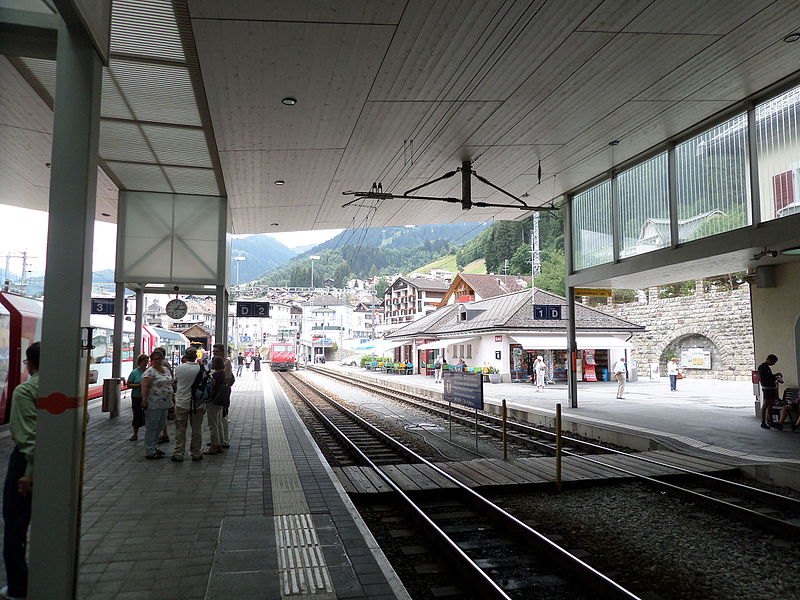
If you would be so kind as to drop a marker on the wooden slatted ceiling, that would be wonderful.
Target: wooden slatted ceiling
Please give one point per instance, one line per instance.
(508, 81)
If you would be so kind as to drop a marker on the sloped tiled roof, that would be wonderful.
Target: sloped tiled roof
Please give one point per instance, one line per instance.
(324, 300)
(489, 286)
(510, 312)
(429, 285)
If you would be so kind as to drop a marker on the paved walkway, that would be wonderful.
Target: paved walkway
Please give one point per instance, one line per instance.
(713, 415)
(237, 526)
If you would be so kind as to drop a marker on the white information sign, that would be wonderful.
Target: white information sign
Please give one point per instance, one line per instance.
(696, 358)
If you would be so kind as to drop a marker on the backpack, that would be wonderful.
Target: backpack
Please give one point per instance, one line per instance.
(202, 388)
(223, 396)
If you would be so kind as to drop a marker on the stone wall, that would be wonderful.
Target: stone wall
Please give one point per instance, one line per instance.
(717, 321)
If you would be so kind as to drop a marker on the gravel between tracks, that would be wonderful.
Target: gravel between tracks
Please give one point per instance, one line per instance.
(650, 542)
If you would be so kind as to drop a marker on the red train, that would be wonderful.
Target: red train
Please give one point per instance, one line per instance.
(282, 356)
(21, 325)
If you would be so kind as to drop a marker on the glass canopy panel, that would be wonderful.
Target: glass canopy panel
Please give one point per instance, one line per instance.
(643, 198)
(591, 227)
(778, 146)
(713, 181)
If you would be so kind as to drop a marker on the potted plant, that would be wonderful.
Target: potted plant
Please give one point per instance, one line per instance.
(493, 374)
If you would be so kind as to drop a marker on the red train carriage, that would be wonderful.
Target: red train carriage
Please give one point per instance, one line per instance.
(282, 356)
(21, 325)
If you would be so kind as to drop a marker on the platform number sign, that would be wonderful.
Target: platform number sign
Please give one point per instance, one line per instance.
(102, 306)
(547, 312)
(252, 309)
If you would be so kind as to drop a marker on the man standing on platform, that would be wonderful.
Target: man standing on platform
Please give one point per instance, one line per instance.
(769, 388)
(219, 350)
(19, 479)
(619, 374)
(187, 415)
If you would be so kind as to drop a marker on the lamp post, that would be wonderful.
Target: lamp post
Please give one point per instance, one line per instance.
(238, 259)
(313, 258)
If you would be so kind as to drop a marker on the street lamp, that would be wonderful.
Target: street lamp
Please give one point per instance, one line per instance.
(313, 258)
(237, 341)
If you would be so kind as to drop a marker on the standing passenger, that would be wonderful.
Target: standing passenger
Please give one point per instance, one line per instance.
(19, 479)
(256, 365)
(156, 401)
(619, 374)
(219, 350)
(673, 371)
(214, 409)
(437, 369)
(769, 387)
(239, 364)
(185, 414)
(135, 383)
(539, 370)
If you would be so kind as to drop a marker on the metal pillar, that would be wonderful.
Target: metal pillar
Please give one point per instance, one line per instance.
(55, 525)
(221, 324)
(466, 184)
(139, 320)
(572, 344)
(119, 317)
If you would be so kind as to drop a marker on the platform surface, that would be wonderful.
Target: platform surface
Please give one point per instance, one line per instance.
(265, 520)
(714, 416)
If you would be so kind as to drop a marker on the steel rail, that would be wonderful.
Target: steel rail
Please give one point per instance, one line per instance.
(766, 522)
(588, 575)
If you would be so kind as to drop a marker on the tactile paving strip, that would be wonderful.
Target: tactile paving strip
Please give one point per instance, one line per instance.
(302, 566)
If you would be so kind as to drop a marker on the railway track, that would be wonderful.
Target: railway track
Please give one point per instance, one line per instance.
(497, 555)
(775, 513)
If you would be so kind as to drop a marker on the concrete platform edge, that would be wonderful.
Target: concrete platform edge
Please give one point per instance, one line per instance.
(386, 568)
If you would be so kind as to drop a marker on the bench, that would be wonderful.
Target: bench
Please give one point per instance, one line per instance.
(790, 396)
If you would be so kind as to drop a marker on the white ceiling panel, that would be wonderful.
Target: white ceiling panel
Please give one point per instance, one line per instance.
(145, 28)
(762, 31)
(306, 175)
(319, 11)
(32, 114)
(186, 180)
(715, 17)
(157, 92)
(123, 140)
(178, 145)
(146, 178)
(328, 68)
(624, 67)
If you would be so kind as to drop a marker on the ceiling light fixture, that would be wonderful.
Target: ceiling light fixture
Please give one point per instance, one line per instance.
(279, 182)
(792, 251)
(274, 224)
(792, 37)
(289, 101)
(105, 214)
(613, 143)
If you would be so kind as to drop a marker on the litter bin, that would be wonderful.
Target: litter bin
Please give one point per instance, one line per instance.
(604, 374)
(111, 396)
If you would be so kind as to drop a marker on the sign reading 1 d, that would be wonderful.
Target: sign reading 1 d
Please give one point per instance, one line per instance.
(547, 312)
(252, 309)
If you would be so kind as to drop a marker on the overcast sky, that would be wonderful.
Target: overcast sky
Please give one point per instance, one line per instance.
(26, 230)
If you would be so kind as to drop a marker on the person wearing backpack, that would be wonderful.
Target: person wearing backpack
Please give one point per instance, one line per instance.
(221, 399)
(188, 413)
(219, 350)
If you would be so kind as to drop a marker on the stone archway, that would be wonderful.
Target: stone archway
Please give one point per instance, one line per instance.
(685, 337)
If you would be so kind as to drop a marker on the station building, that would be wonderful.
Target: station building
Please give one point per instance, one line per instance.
(187, 121)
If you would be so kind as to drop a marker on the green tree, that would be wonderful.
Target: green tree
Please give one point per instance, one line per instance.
(552, 278)
(380, 287)
(340, 274)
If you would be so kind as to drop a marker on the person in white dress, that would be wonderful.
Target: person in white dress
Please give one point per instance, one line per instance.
(539, 370)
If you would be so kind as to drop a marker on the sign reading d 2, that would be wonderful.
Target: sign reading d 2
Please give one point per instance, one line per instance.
(252, 309)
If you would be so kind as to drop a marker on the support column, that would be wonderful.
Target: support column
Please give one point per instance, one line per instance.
(139, 320)
(55, 525)
(572, 350)
(119, 317)
(221, 324)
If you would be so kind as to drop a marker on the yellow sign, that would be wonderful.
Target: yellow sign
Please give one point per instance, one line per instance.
(592, 292)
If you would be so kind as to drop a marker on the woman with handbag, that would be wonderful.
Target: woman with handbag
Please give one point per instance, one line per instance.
(156, 400)
(215, 408)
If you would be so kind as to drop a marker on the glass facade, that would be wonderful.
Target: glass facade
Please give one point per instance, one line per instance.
(712, 187)
(778, 146)
(643, 197)
(713, 181)
(591, 226)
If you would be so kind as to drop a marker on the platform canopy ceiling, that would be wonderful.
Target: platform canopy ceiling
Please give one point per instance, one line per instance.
(401, 91)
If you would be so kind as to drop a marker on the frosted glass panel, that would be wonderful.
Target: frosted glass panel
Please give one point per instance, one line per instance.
(778, 141)
(171, 238)
(591, 226)
(644, 207)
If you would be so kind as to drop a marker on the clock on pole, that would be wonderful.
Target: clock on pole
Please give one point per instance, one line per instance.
(176, 308)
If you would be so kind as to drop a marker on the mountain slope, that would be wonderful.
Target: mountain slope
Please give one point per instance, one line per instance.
(262, 253)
